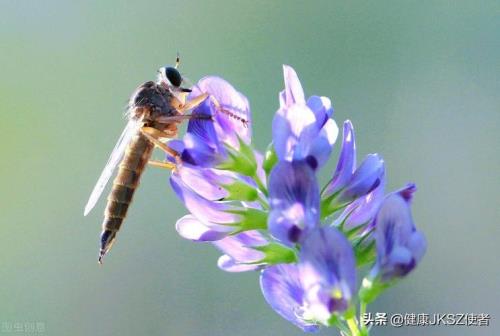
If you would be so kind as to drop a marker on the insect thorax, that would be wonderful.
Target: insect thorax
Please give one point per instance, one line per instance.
(151, 101)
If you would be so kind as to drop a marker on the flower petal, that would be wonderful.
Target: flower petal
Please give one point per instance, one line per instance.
(321, 147)
(233, 117)
(327, 266)
(322, 108)
(363, 210)
(201, 152)
(294, 201)
(291, 126)
(239, 251)
(240, 246)
(293, 94)
(189, 227)
(207, 182)
(203, 209)
(399, 245)
(283, 290)
(228, 264)
(366, 178)
(347, 161)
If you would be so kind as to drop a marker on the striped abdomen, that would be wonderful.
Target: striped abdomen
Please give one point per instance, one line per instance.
(130, 170)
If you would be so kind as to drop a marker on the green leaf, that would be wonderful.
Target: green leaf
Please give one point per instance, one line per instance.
(240, 191)
(240, 161)
(371, 288)
(329, 206)
(270, 159)
(365, 253)
(251, 219)
(276, 254)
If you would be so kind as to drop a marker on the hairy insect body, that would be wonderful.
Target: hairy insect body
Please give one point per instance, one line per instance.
(154, 111)
(148, 103)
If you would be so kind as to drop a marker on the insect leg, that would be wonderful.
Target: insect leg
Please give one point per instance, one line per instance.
(227, 112)
(153, 135)
(191, 104)
(181, 117)
(162, 164)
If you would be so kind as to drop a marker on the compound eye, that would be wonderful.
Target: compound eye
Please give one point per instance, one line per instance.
(173, 76)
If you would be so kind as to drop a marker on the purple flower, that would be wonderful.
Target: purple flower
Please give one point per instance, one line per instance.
(327, 266)
(239, 253)
(294, 201)
(363, 210)
(189, 227)
(204, 142)
(284, 291)
(321, 284)
(348, 183)
(203, 191)
(347, 161)
(400, 246)
(303, 130)
(208, 211)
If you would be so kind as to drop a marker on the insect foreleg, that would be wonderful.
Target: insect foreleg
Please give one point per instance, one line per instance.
(191, 104)
(153, 135)
(219, 108)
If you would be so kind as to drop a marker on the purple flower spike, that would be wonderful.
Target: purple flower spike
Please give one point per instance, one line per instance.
(189, 227)
(400, 246)
(294, 201)
(231, 119)
(303, 130)
(328, 272)
(239, 255)
(283, 290)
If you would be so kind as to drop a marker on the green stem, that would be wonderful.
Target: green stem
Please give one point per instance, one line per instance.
(260, 184)
(362, 312)
(353, 326)
(263, 202)
(342, 327)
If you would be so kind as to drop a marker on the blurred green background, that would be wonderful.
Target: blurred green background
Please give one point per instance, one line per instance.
(419, 80)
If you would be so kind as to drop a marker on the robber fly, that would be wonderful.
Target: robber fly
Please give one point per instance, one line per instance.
(154, 111)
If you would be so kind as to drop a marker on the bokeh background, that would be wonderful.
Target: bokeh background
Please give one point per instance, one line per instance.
(419, 80)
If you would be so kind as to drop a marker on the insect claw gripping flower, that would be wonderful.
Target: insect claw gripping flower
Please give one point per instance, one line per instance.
(269, 214)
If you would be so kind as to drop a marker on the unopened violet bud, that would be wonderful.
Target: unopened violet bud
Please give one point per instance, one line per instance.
(239, 251)
(400, 246)
(190, 227)
(207, 210)
(346, 163)
(367, 177)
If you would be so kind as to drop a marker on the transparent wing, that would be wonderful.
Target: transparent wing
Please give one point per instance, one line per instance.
(132, 127)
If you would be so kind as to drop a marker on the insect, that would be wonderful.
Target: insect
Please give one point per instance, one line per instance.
(154, 111)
